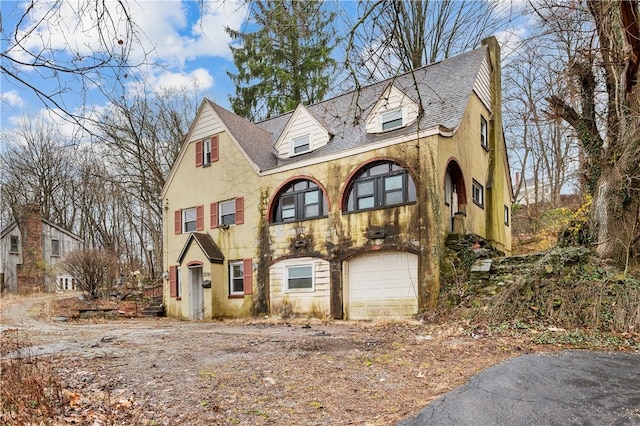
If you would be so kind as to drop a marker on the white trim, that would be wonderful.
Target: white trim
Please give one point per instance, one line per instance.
(229, 284)
(300, 290)
(359, 150)
(184, 219)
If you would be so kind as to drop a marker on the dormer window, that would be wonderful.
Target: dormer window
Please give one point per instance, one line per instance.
(391, 119)
(301, 145)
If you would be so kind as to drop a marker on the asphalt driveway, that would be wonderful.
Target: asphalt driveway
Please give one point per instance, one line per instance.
(568, 388)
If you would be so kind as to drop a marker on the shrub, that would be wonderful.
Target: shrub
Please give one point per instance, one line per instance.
(93, 270)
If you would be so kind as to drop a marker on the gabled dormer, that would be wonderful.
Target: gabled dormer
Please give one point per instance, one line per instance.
(302, 134)
(394, 110)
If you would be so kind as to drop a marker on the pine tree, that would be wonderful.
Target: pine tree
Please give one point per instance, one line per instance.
(286, 61)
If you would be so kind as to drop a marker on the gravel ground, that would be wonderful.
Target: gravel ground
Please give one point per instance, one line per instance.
(247, 372)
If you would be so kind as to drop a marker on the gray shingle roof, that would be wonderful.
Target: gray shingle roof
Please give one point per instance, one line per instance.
(443, 89)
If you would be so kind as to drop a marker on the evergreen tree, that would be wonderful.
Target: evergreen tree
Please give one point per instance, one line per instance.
(285, 61)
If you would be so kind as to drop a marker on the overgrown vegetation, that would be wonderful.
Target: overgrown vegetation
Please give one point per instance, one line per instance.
(562, 295)
(30, 391)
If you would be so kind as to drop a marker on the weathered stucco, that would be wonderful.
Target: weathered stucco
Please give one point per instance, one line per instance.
(330, 242)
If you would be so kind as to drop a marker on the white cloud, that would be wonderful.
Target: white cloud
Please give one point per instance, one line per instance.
(175, 37)
(198, 78)
(12, 98)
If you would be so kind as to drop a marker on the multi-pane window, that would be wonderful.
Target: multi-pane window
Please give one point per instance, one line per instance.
(391, 119)
(236, 277)
(381, 185)
(301, 144)
(227, 212)
(13, 248)
(189, 220)
(300, 277)
(477, 193)
(55, 247)
(178, 283)
(301, 200)
(206, 152)
(483, 133)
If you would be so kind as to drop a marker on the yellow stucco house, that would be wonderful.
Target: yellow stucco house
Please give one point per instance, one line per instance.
(338, 209)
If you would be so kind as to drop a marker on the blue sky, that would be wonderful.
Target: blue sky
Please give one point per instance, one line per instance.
(186, 38)
(189, 42)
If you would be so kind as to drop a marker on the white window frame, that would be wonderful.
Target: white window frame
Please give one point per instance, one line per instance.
(287, 269)
(206, 152)
(484, 125)
(477, 193)
(239, 263)
(189, 212)
(506, 215)
(301, 141)
(390, 116)
(227, 203)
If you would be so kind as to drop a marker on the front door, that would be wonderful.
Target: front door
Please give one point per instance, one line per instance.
(197, 293)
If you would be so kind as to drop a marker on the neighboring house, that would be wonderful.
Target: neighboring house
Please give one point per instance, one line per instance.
(30, 254)
(338, 209)
(533, 192)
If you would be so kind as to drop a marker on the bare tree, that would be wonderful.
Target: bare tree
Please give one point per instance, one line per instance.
(93, 271)
(609, 133)
(38, 168)
(390, 37)
(143, 136)
(73, 46)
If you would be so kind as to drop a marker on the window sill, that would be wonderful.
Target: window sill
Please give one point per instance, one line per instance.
(300, 290)
(236, 296)
(478, 204)
(485, 147)
(297, 222)
(380, 208)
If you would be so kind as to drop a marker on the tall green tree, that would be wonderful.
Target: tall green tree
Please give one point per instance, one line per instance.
(285, 61)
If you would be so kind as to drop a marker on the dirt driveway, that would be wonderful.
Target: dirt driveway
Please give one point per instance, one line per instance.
(251, 372)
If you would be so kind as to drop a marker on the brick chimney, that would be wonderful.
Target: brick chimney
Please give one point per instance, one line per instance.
(31, 272)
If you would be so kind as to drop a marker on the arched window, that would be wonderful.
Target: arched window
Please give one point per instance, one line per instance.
(380, 185)
(300, 200)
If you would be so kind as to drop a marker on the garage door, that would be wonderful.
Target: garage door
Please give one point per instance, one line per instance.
(382, 285)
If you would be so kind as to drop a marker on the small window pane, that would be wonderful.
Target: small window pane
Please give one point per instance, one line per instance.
(365, 203)
(393, 182)
(311, 197)
(394, 197)
(311, 211)
(365, 188)
(228, 212)
(379, 169)
(288, 207)
(299, 186)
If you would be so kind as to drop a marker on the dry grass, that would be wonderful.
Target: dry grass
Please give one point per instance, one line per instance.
(30, 391)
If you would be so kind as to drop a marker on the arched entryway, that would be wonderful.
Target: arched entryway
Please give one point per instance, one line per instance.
(455, 198)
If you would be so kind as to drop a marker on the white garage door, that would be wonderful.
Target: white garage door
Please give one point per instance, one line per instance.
(382, 285)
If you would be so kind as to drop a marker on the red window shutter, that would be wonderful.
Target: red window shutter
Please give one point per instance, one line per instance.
(198, 153)
(247, 279)
(173, 281)
(199, 218)
(177, 220)
(215, 149)
(214, 215)
(239, 211)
